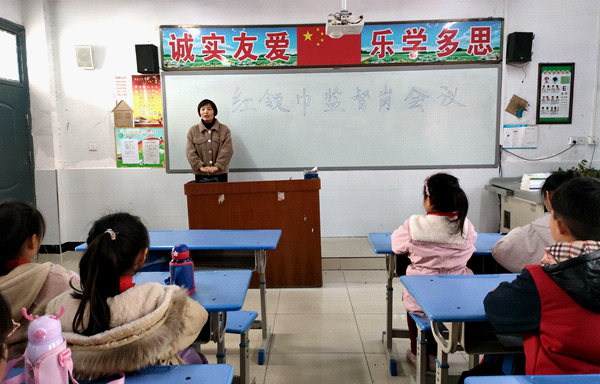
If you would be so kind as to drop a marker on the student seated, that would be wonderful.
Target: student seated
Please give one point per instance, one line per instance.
(556, 306)
(113, 325)
(525, 245)
(439, 242)
(22, 282)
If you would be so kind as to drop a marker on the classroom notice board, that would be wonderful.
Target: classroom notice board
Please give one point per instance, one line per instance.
(343, 118)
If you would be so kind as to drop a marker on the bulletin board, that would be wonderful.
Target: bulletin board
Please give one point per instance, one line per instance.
(444, 116)
(140, 147)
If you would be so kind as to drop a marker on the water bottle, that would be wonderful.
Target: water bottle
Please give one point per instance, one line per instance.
(48, 360)
(181, 268)
(44, 335)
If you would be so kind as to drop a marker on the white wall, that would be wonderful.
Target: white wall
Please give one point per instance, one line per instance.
(71, 107)
(11, 11)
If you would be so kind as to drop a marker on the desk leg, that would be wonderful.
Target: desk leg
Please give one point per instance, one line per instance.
(391, 265)
(441, 366)
(444, 348)
(473, 361)
(218, 324)
(261, 263)
(389, 296)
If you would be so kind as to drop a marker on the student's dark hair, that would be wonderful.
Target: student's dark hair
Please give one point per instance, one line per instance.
(577, 203)
(446, 196)
(114, 242)
(205, 102)
(18, 222)
(6, 325)
(555, 180)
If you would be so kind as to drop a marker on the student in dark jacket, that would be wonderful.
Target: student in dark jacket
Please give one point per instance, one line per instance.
(556, 307)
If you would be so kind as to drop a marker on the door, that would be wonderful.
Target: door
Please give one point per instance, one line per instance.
(16, 143)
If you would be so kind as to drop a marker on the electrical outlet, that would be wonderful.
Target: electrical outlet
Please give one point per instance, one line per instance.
(577, 140)
(592, 140)
(92, 146)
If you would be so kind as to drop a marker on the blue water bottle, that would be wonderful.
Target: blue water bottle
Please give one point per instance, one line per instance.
(181, 268)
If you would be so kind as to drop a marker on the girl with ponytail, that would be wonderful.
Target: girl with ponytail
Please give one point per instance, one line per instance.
(439, 242)
(113, 325)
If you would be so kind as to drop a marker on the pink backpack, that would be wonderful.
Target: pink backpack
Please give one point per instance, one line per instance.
(47, 358)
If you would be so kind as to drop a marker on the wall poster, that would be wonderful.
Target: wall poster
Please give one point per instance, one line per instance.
(140, 147)
(147, 101)
(555, 93)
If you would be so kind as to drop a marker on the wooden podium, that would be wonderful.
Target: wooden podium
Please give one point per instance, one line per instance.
(289, 205)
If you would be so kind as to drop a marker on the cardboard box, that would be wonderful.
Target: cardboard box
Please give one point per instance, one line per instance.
(123, 115)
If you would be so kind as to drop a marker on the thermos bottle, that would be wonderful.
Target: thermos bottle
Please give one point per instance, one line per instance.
(44, 335)
(181, 268)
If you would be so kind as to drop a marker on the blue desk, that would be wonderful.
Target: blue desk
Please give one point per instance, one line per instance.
(199, 374)
(545, 379)
(381, 243)
(453, 300)
(243, 242)
(211, 239)
(218, 292)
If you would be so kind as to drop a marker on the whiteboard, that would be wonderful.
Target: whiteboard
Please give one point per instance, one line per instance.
(356, 118)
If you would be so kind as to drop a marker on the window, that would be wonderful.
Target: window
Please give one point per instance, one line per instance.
(9, 64)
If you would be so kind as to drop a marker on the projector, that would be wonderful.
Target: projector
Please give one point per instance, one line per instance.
(340, 24)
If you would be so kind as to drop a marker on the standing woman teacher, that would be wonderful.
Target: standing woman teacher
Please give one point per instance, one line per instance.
(209, 147)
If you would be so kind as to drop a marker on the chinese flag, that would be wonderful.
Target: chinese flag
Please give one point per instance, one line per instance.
(316, 48)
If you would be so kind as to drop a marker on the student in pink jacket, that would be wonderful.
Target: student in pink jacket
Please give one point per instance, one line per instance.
(439, 242)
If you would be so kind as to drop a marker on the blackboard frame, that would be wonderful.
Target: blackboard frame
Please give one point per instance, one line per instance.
(488, 163)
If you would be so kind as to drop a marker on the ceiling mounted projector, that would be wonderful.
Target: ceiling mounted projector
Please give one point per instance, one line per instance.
(342, 23)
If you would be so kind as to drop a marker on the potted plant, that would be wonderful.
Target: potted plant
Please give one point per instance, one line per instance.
(584, 170)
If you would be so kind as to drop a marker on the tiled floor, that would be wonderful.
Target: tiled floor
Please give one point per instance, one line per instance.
(331, 334)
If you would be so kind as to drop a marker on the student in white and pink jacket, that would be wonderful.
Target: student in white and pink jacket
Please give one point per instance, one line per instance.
(439, 242)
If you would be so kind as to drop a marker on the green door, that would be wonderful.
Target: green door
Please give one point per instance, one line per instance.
(16, 152)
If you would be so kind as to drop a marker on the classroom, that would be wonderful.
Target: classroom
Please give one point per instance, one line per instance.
(76, 179)
(70, 108)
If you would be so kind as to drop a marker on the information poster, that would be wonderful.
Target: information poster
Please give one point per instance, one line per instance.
(519, 136)
(555, 93)
(140, 147)
(147, 101)
(122, 88)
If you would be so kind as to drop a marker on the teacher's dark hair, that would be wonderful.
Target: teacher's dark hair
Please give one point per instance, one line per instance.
(205, 102)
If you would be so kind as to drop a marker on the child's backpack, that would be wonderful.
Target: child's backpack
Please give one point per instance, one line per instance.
(47, 358)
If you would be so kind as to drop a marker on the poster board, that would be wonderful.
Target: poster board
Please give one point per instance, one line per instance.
(140, 147)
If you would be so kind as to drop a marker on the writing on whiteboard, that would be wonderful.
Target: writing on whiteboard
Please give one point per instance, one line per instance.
(335, 101)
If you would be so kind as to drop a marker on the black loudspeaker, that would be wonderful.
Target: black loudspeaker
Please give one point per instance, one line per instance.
(518, 47)
(146, 56)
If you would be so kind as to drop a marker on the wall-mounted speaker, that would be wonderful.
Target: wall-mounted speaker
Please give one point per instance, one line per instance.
(518, 47)
(146, 56)
(85, 57)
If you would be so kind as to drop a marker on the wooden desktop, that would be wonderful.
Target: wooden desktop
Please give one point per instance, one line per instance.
(289, 205)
